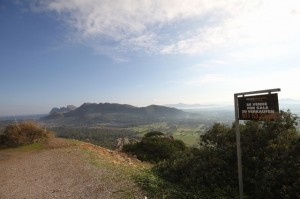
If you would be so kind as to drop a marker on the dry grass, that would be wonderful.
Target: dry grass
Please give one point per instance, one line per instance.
(24, 133)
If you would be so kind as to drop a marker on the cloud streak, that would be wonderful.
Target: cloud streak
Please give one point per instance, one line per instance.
(177, 27)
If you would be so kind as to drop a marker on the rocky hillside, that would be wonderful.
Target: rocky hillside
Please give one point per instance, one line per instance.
(62, 109)
(119, 113)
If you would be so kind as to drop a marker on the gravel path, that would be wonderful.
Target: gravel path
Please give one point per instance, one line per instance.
(58, 172)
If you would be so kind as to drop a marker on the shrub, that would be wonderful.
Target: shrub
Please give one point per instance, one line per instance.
(24, 133)
(1, 139)
(153, 134)
(155, 147)
(271, 161)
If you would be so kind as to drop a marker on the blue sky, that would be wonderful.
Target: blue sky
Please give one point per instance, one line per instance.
(59, 52)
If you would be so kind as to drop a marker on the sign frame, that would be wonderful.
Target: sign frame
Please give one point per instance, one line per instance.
(258, 107)
(238, 136)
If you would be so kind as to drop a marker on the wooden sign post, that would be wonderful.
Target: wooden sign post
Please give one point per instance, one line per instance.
(255, 105)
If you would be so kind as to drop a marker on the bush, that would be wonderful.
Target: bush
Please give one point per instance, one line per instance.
(270, 154)
(157, 187)
(1, 139)
(154, 147)
(24, 133)
(202, 173)
(153, 134)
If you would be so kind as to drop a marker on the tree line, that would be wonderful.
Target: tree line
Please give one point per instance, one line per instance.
(270, 161)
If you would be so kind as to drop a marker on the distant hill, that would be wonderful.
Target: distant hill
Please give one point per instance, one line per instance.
(118, 113)
(62, 109)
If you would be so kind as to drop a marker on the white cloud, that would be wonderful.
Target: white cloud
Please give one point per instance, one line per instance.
(203, 25)
(146, 42)
(202, 40)
(260, 26)
(119, 19)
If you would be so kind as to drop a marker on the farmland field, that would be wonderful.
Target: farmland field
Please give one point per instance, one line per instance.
(188, 133)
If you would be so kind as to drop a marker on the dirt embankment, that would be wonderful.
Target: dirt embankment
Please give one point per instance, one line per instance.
(66, 170)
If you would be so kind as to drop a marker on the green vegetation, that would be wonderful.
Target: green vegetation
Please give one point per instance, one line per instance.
(155, 147)
(189, 138)
(105, 136)
(271, 164)
(153, 134)
(270, 156)
(102, 136)
(142, 129)
(187, 132)
(31, 147)
(122, 174)
(23, 134)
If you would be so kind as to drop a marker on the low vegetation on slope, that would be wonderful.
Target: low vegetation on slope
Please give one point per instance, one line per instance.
(270, 158)
(155, 147)
(271, 164)
(23, 133)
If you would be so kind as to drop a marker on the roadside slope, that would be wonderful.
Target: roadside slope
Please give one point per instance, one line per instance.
(67, 169)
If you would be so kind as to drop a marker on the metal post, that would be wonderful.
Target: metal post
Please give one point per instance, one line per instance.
(238, 147)
(238, 136)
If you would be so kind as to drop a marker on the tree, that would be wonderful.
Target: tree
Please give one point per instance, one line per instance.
(270, 158)
(271, 162)
(154, 147)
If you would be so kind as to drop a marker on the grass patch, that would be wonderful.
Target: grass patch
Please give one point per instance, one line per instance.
(25, 148)
(188, 133)
(118, 175)
(120, 170)
(151, 183)
(189, 138)
(156, 187)
(32, 147)
(141, 130)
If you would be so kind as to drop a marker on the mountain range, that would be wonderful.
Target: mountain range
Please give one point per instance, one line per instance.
(116, 113)
(62, 109)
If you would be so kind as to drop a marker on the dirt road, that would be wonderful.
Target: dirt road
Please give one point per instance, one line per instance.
(61, 171)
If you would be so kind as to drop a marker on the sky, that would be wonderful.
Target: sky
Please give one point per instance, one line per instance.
(55, 53)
